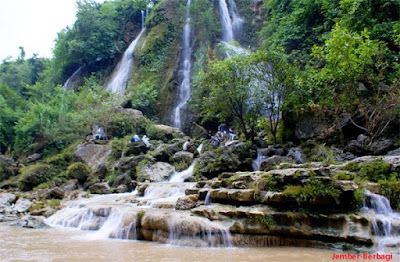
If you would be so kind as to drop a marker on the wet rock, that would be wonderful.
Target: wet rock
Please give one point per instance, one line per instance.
(46, 212)
(94, 155)
(395, 152)
(239, 185)
(355, 147)
(297, 155)
(22, 205)
(345, 185)
(71, 185)
(133, 113)
(32, 222)
(381, 147)
(156, 172)
(268, 163)
(122, 189)
(129, 164)
(33, 175)
(7, 198)
(100, 188)
(57, 192)
(134, 149)
(187, 202)
(164, 152)
(346, 157)
(238, 195)
(8, 167)
(183, 156)
(33, 158)
(125, 180)
(192, 191)
(141, 188)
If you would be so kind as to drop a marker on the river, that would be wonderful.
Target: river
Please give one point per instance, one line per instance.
(55, 244)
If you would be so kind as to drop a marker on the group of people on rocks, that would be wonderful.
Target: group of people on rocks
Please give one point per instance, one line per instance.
(222, 135)
(136, 139)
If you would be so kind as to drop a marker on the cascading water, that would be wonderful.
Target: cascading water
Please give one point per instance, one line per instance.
(120, 76)
(232, 25)
(185, 69)
(150, 217)
(385, 222)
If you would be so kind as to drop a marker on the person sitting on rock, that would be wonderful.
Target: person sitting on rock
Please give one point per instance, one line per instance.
(231, 134)
(146, 140)
(187, 145)
(135, 139)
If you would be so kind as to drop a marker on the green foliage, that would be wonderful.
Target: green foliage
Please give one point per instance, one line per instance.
(343, 176)
(268, 221)
(33, 175)
(378, 170)
(311, 192)
(391, 190)
(144, 98)
(78, 170)
(351, 166)
(111, 178)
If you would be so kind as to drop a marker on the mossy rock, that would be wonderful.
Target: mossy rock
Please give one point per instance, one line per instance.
(7, 168)
(31, 176)
(79, 171)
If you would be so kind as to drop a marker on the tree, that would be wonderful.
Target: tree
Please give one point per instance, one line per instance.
(272, 77)
(350, 70)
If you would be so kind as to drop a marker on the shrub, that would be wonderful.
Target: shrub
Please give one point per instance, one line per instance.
(33, 175)
(391, 190)
(78, 170)
(377, 170)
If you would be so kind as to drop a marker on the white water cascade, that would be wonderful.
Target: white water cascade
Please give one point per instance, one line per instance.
(232, 25)
(185, 69)
(120, 76)
(385, 222)
(151, 216)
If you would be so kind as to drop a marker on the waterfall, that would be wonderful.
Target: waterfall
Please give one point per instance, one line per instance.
(72, 81)
(261, 156)
(185, 69)
(120, 76)
(385, 222)
(227, 30)
(232, 25)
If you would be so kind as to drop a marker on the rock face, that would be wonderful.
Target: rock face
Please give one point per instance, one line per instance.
(22, 205)
(237, 156)
(100, 188)
(8, 168)
(93, 155)
(156, 172)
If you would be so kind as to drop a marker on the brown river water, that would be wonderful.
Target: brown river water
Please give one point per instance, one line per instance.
(54, 244)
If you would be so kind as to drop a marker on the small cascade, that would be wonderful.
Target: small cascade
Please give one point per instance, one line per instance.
(120, 76)
(180, 176)
(237, 21)
(73, 81)
(227, 29)
(185, 69)
(261, 156)
(385, 222)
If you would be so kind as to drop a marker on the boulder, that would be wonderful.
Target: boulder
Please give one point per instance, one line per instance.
(93, 155)
(79, 171)
(381, 146)
(8, 168)
(100, 188)
(33, 175)
(156, 172)
(238, 156)
(129, 164)
(183, 157)
(197, 131)
(33, 158)
(70, 185)
(22, 205)
(268, 163)
(57, 192)
(133, 113)
(164, 152)
(137, 148)
(311, 126)
(125, 180)
(395, 152)
(297, 155)
(187, 202)
(7, 198)
(163, 132)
